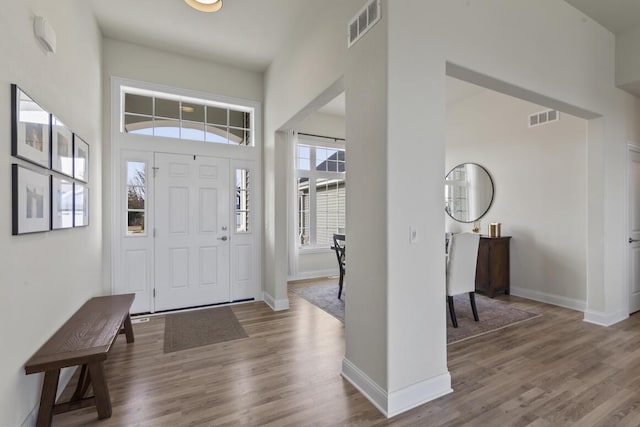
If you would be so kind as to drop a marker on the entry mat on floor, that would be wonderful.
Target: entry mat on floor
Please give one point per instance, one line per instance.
(197, 328)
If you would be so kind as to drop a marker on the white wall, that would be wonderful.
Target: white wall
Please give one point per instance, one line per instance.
(628, 59)
(135, 62)
(543, 48)
(323, 124)
(540, 198)
(46, 276)
(317, 264)
(312, 61)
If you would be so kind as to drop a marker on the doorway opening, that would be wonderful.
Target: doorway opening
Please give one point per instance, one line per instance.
(536, 156)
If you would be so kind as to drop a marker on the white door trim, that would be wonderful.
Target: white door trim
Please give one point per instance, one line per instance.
(635, 147)
(120, 141)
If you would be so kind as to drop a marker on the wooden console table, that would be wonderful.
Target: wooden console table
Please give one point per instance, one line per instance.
(492, 271)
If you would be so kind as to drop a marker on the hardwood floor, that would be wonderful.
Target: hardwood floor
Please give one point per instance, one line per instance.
(555, 370)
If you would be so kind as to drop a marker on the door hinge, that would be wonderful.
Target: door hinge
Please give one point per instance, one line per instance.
(154, 293)
(154, 232)
(155, 171)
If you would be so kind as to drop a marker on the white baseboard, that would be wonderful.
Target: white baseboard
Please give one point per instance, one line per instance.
(398, 401)
(418, 394)
(369, 388)
(276, 305)
(319, 274)
(573, 304)
(602, 318)
(65, 377)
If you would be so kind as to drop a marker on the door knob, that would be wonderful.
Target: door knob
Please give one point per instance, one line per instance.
(223, 238)
(633, 240)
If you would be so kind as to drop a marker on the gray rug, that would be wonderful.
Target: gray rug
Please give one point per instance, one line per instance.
(494, 314)
(197, 328)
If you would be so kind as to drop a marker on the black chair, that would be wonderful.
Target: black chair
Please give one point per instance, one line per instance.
(339, 247)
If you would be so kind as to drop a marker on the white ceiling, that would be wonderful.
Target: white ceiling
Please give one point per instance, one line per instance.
(249, 33)
(245, 33)
(615, 15)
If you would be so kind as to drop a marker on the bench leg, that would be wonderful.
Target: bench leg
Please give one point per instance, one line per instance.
(48, 398)
(100, 389)
(128, 329)
(84, 381)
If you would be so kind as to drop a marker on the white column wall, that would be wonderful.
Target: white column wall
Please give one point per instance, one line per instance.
(314, 60)
(367, 276)
(544, 47)
(46, 277)
(628, 60)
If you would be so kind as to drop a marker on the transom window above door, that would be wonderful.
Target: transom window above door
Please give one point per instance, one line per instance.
(171, 116)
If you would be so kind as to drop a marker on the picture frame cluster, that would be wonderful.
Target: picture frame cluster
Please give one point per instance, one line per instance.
(55, 194)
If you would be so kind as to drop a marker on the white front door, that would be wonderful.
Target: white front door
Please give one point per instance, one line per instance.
(634, 230)
(191, 231)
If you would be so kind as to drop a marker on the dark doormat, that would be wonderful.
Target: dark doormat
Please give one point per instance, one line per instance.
(196, 328)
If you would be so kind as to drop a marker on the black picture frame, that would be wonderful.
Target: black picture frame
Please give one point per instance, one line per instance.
(80, 159)
(62, 196)
(80, 205)
(31, 199)
(30, 129)
(62, 159)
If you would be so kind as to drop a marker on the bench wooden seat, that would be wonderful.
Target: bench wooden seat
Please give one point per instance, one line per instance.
(84, 340)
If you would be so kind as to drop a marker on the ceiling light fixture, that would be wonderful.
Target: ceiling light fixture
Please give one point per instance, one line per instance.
(205, 5)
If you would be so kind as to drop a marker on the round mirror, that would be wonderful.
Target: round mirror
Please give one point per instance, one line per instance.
(468, 192)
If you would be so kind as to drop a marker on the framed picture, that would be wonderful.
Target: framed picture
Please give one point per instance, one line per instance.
(30, 129)
(61, 203)
(31, 198)
(61, 147)
(80, 205)
(80, 159)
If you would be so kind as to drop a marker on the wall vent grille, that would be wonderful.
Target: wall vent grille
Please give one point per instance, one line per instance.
(363, 21)
(543, 118)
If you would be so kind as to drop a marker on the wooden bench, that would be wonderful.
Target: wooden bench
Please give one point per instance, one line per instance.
(85, 339)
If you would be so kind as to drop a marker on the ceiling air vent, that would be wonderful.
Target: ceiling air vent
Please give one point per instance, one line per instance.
(363, 21)
(543, 117)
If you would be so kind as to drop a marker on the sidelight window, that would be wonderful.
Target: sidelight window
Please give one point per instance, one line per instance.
(242, 208)
(136, 197)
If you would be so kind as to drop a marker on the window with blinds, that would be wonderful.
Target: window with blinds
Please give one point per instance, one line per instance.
(321, 193)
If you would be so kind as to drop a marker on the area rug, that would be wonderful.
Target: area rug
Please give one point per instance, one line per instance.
(494, 314)
(197, 328)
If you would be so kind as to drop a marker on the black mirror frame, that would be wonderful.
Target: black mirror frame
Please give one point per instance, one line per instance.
(493, 192)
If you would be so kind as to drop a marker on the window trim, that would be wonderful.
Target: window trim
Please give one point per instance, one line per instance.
(312, 174)
(228, 104)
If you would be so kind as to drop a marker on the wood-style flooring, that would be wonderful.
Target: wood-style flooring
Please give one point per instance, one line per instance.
(555, 370)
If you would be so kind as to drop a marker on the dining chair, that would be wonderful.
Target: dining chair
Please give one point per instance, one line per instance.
(340, 249)
(461, 271)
